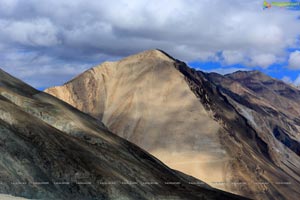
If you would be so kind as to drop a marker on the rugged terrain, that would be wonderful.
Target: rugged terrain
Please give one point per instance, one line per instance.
(9, 197)
(238, 132)
(50, 150)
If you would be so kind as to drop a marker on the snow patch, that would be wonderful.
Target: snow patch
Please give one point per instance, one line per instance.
(248, 115)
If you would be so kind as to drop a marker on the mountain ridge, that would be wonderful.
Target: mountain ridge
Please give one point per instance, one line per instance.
(45, 141)
(218, 115)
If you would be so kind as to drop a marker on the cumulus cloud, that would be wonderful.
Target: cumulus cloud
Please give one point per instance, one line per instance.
(38, 32)
(297, 81)
(294, 60)
(233, 57)
(72, 35)
(41, 70)
(263, 60)
(287, 79)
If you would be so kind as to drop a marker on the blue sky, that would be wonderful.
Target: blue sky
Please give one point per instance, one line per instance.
(277, 70)
(46, 43)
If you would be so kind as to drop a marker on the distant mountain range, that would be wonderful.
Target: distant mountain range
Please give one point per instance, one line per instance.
(239, 132)
(51, 150)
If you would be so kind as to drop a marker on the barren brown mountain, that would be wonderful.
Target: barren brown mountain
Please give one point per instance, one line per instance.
(52, 151)
(238, 132)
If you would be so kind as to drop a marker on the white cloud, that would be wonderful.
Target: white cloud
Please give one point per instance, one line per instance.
(294, 60)
(74, 31)
(263, 60)
(297, 81)
(35, 69)
(233, 57)
(287, 79)
(38, 32)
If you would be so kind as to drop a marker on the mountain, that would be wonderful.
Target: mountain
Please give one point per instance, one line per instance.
(238, 132)
(9, 197)
(50, 150)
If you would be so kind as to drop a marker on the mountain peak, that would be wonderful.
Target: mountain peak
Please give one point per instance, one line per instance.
(254, 74)
(8, 81)
(150, 54)
(245, 72)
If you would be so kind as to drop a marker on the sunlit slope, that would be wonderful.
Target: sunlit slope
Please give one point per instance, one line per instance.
(144, 99)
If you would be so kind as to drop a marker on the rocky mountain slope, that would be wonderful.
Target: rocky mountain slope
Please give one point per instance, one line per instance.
(50, 150)
(9, 197)
(237, 132)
